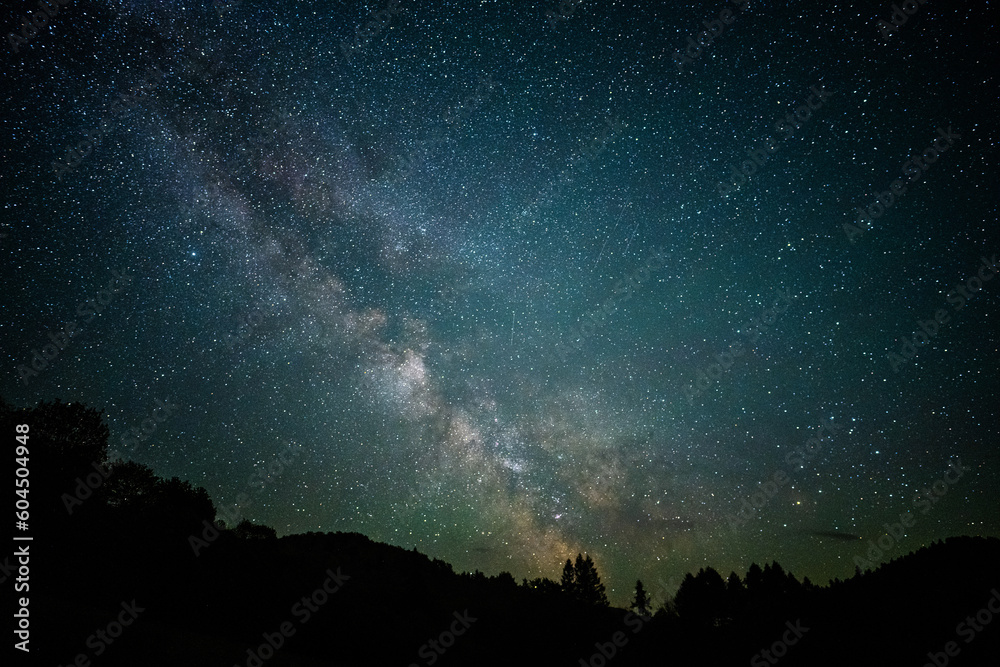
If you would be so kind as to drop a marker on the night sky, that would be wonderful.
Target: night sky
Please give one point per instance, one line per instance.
(489, 269)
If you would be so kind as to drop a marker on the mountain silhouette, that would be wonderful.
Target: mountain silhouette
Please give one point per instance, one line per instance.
(129, 568)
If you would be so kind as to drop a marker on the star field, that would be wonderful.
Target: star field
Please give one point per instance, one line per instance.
(484, 264)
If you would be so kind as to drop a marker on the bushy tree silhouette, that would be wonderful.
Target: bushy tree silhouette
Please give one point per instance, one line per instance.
(701, 599)
(130, 484)
(248, 530)
(544, 586)
(67, 442)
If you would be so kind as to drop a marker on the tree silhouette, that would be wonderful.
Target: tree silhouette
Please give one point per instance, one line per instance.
(667, 609)
(736, 597)
(130, 484)
(182, 506)
(773, 580)
(568, 582)
(67, 445)
(754, 579)
(248, 530)
(701, 598)
(587, 583)
(640, 603)
(545, 586)
(138, 497)
(74, 433)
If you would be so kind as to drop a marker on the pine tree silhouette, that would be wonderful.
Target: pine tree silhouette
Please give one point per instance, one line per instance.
(587, 582)
(568, 582)
(640, 603)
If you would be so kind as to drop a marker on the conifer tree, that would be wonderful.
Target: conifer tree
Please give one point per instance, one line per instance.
(589, 588)
(640, 603)
(568, 582)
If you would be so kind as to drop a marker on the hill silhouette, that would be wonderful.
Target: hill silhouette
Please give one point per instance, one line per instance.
(131, 568)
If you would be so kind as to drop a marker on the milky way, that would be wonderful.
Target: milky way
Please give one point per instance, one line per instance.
(521, 280)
